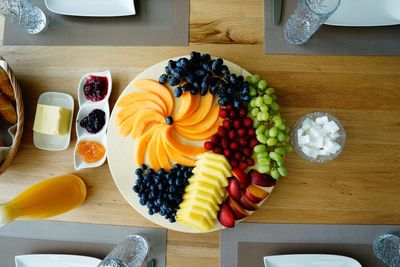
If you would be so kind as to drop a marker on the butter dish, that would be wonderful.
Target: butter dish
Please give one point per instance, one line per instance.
(54, 142)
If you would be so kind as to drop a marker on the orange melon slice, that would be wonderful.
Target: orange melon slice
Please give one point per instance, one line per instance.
(200, 113)
(162, 156)
(143, 121)
(199, 136)
(152, 148)
(132, 110)
(134, 98)
(142, 143)
(189, 104)
(203, 125)
(186, 150)
(158, 89)
(177, 157)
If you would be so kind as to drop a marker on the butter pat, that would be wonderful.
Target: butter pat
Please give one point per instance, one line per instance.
(52, 120)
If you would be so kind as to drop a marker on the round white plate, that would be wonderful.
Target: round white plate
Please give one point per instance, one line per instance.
(120, 152)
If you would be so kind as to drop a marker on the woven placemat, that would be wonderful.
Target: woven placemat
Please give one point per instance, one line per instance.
(247, 243)
(330, 40)
(94, 240)
(157, 22)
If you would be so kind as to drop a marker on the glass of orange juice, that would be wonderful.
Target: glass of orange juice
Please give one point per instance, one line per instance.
(45, 199)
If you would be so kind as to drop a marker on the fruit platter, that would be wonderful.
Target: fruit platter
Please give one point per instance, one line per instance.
(196, 143)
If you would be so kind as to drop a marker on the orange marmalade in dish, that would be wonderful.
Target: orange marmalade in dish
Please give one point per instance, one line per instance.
(91, 151)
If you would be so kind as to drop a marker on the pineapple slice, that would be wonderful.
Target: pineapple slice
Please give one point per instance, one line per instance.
(206, 165)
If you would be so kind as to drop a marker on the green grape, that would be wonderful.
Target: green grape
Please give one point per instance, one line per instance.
(280, 150)
(282, 127)
(264, 108)
(288, 149)
(255, 111)
(262, 155)
(273, 132)
(287, 138)
(248, 79)
(270, 91)
(263, 162)
(260, 148)
(267, 99)
(277, 120)
(253, 102)
(275, 156)
(260, 129)
(253, 91)
(274, 173)
(259, 101)
(274, 106)
(282, 171)
(271, 141)
(262, 84)
(266, 133)
(272, 112)
(281, 136)
(262, 116)
(254, 79)
(262, 138)
(263, 169)
(256, 123)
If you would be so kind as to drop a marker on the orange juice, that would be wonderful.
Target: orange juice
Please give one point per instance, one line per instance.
(45, 199)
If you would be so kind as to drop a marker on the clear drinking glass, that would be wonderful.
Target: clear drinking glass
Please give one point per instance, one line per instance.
(24, 14)
(130, 252)
(306, 19)
(387, 249)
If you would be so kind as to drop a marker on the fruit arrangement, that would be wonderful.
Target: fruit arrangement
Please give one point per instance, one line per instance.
(202, 131)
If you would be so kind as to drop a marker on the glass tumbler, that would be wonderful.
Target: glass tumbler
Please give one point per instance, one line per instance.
(130, 252)
(387, 249)
(306, 19)
(24, 14)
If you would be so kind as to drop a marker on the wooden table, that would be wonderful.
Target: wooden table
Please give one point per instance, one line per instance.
(362, 186)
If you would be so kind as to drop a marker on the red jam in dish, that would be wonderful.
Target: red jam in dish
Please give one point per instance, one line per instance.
(95, 88)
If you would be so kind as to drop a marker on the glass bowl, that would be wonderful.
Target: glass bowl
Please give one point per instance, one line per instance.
(341, 139)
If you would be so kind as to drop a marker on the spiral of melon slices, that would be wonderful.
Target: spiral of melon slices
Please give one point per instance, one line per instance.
(143, 115)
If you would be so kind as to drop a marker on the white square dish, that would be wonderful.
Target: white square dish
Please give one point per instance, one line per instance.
(92, 8)
(54, 260)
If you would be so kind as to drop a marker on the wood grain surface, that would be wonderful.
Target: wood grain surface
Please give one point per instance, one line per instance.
(360, 187)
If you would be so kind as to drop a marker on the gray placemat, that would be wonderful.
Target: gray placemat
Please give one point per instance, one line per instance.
(94, 240)
(330, 40)
(247, 243)
(157, 22)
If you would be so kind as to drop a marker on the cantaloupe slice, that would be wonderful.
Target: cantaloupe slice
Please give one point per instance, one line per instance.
(187, 150)
(202, 111)
(142, 143)
(162, 156)
(152, 148)
(135, 97)
(177, 157)
(203, 125)
(132, 110)
(125, 127)
(142, 122)
(159, 89)
(199, 136)
(189, 104)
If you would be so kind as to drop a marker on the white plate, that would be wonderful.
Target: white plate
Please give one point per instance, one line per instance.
(310, 260)
(50, 260)
(92, 8)
(54, 142)
(120, 153)
(366, 13)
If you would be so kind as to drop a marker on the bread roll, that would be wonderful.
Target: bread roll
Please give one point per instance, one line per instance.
(7, 110)
(5, 85)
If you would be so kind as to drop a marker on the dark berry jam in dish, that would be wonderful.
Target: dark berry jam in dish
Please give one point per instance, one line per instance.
(95, 88)
(94, 121)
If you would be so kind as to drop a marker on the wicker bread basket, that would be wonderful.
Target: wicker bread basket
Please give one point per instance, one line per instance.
(20, 122)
